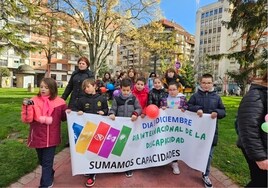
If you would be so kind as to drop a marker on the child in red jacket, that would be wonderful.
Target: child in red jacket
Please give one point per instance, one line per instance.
(140, 91)
(44, 113)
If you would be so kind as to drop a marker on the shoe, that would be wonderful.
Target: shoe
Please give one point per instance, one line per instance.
(207, 181)
(129, 173)
(91, 181)
(50, 185)
(175, 167)
(67, 145)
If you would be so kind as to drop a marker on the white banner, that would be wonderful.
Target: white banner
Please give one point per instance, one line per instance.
(99, 144)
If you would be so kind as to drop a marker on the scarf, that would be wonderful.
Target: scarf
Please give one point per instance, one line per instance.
(46, 110)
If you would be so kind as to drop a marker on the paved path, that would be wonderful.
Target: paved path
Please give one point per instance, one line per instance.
(151, 177)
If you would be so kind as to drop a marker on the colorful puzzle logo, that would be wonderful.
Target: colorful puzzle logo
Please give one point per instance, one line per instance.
(101, 139)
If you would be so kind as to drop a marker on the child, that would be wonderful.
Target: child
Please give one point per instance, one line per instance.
(94, 103)
(157, 94)
(206, 100)
(141, 93)
(175, 100)
(125, 105)
(45, 112)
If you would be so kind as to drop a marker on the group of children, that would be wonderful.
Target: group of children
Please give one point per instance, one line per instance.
(131, 102)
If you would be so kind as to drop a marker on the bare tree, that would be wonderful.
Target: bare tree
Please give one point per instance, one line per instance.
(53, 32)
(102, 21)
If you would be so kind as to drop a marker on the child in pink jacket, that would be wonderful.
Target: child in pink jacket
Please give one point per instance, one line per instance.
(44, 113)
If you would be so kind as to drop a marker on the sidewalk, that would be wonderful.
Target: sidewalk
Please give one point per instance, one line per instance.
(151, 177)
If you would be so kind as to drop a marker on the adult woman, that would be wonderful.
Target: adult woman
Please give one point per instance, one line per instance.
(251, 138)
(172, 76)
(132, 74)
(107, 79)
(75, 82)
(150, 81)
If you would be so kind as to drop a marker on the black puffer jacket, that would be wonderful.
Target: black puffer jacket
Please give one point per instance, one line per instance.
(251, 114)
(208, 102)
(74, 86)
(157, 96)
(92, 104)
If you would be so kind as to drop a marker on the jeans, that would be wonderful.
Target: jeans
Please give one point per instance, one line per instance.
(209, 161)
(46, 159)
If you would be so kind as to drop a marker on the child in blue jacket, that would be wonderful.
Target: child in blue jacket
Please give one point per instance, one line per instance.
(206, 100)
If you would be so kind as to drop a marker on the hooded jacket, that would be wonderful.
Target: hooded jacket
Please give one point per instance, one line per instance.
(142, 97)
(42, 135)
(125, 106)
(208, 101)
(251, 115)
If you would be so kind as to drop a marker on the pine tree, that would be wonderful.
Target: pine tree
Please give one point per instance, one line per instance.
(250, 17)
(15, 16)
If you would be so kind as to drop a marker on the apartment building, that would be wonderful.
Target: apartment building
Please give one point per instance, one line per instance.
(130, 54)
(213, 38)
(61, 66)
(9, 58)
(185, 41)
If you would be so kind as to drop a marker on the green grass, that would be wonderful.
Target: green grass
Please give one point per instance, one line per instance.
(227, 157)
(17, 159)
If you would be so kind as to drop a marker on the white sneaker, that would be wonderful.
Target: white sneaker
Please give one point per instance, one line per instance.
(175, 167)
(207, 181)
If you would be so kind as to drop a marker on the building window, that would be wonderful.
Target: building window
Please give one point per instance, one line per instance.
(34, 63)
(201, 42)
(211, 13)
(219, 29)
(218, 38)
(214, 30)
(206, 32)
(63, 77)
(215, 20)
(219, 20)
(205, 41)
(202, 15)
(220, 10)
(215, 11)
(210, 22)
(213, 39)
(210, 31)
(64, 67)
(209, 40)
(207, 14)
(201, 33)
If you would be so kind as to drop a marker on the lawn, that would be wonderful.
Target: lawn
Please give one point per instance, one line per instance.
(16, 159)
